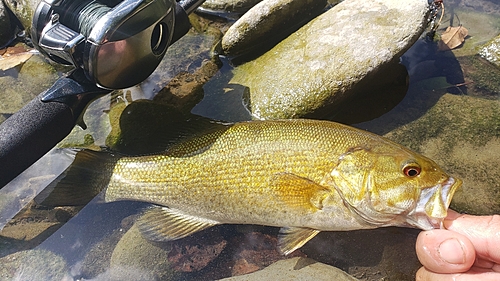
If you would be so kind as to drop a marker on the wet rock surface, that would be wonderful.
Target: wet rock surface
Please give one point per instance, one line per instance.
(24, 10)
(34, 265)
(384, 253)
(19, 85)
(491, 51)
(459, 133)
(267, 23)
(296, 269)
(6, 29)
(229, 6)
(330, 57)
(137, 259)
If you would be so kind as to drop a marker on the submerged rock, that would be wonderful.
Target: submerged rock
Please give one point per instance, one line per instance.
(229, 6)
(21, 84)
(6, 32)
(34, 265)
(24, 10)
(482, 26)
(135, 258)
(461, 133)
(491, 51)
(267, 23)
(315, 68)
(296, 269)
(386, 253)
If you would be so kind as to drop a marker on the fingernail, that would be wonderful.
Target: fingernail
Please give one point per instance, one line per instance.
(451, 251)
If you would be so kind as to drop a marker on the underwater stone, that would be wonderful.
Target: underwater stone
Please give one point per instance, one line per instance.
(296, 269)
(230, 6)
(491, 51)
(269, 21)
(315, 67)
(21, 84)
(135, 258)
(462, 134)
(34, 265)
(24, 11)
(389, 254)
(6, 33)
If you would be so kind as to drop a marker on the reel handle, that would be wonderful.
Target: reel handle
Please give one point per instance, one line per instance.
(32, 131)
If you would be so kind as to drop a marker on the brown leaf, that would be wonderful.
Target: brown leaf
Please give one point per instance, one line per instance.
(8, 62)
(453, 37)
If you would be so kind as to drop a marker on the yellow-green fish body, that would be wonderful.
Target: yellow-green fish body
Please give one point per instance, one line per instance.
(303, 175)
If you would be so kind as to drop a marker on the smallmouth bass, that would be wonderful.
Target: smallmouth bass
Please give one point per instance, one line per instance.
(304, 176)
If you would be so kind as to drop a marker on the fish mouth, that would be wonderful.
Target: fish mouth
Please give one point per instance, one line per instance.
(432, 205)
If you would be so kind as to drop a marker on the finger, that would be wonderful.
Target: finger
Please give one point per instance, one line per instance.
(444, 251)
(452, 215)
(424, 274)
(482, 231)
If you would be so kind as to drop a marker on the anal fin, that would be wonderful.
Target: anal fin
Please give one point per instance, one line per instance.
(292, 238)
(165, 224)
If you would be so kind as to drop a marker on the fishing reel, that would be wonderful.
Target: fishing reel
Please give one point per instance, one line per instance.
(118, 44)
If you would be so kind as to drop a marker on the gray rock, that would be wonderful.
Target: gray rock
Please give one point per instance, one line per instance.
(491, 51)
(228, 6)
(135, 258)
(296, 269)
(5, 26)
(482, 27)
(461, 133)
(97, 259)
(269, 21)
(315, 67)
(21, 84)
(386, 253)
(24, 10)
(34, 265)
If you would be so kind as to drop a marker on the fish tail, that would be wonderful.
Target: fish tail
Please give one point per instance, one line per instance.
(87, 176)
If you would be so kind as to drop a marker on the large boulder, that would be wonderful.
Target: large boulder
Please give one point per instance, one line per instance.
(491, 51)
(296, 269)
(6, 30)
(267, 23)
(228, 6)
(315, 68)
(461, 134)
(24, 10)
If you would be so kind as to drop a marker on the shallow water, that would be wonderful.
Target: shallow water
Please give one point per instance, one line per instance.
(89, 240)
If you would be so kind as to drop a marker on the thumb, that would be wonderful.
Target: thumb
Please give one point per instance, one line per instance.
(444, 251)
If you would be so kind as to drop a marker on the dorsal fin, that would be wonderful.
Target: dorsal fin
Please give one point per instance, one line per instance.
(165, 224)
(148, 127)
(196, 143)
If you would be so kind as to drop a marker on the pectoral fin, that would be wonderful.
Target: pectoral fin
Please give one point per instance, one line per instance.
(299, 192)
(292, 238)
(165, 224)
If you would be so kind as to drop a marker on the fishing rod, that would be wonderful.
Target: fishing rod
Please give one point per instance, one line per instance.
(111, 44)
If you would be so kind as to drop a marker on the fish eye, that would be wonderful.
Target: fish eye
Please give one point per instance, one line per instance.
(411, 170)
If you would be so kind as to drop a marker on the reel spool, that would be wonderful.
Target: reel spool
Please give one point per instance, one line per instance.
(118, 44)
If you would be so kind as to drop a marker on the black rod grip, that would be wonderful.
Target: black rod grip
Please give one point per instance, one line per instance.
(30, 133)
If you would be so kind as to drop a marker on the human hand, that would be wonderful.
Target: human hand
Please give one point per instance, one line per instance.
(468, 249)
